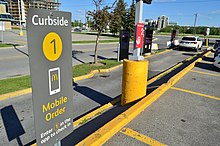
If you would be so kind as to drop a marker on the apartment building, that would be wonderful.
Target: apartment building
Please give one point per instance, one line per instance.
(13, 7)
(162, 22)
(5, 17)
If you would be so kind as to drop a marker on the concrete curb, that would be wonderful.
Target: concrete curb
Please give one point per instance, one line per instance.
(104, 133)
(14, 94)
(92, 73)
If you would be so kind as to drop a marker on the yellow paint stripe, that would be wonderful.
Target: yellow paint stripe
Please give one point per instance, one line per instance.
(96, 112)
(104, 133)
(14, 94)
(205, 73)
(195, 93)
(21, 41)
(141, 137)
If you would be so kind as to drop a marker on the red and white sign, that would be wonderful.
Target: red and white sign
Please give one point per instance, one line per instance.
(139, 35)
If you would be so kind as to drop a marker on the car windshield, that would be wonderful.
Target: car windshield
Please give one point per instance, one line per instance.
(188, 39)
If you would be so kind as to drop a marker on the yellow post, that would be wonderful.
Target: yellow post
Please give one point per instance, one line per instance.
(207, 42)
(134, 80)
(21, 33)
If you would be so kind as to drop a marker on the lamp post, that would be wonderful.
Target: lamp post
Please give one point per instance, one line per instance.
(21, 32)
(195, 24)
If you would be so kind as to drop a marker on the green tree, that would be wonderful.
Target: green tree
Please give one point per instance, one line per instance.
(118, 17)
(100, 19)
(130, 24)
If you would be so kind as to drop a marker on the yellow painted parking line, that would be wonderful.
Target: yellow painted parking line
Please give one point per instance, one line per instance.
(205, 73)
(195, 93)
(141, 137)
(21, 42)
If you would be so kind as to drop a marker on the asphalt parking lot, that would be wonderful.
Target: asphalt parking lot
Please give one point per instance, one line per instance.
(188, 114)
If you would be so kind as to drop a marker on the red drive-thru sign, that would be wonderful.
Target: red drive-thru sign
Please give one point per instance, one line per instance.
(139, 35)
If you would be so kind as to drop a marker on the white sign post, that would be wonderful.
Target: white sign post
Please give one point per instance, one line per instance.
(2, 28)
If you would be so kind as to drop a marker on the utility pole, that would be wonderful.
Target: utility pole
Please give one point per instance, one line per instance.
(21, 32)
(195, 23)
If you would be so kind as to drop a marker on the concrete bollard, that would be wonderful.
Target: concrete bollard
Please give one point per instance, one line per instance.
(134, 80)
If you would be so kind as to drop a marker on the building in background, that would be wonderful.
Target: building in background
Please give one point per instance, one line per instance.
(151, 23)
(173, 23)
(163, 21)
(26, 4)
(5, 16)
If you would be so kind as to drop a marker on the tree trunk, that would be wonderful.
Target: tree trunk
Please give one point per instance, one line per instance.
(96, 48)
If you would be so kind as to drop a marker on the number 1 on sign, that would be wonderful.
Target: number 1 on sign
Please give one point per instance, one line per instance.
(54, 41)
(52, 46)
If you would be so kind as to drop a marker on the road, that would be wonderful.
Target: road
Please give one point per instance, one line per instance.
(87, 94)
(14, 60)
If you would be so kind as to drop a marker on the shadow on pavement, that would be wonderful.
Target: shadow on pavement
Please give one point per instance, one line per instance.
(209, 59)
(85, 130)
(74, 53)
(207, 66)
(99, 57)
(188, 54)
(92, 94)
(12, 124)
(20, 51)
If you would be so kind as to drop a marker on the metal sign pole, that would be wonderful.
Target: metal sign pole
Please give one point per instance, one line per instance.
(138, 19)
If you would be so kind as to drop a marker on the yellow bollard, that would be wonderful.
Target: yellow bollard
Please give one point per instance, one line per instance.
(207, 42)
(21, 33)
(134, 80)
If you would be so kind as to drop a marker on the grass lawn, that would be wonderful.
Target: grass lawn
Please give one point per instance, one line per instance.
(14, 84)
(5, 45)
(86, 68)
(24, 82)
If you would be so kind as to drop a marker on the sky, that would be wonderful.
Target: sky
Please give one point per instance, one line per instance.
(180, 11)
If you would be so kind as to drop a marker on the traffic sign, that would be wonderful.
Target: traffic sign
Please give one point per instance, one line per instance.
(139, 35)
(50, 57)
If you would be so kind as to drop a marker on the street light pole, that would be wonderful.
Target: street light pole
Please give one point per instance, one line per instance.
(21, 32)
(195, 24)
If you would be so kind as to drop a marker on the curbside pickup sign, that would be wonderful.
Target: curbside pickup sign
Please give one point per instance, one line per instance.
(50, 50)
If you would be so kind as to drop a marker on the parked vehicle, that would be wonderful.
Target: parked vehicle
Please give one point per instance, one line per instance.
(217, 44)
(191, 42)
(217, 61)
(217, 51)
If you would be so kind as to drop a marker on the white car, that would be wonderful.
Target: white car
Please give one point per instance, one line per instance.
(191, 42)
(217, 61)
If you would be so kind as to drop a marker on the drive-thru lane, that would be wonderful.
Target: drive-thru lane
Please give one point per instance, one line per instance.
(87, 94)
(187, 114)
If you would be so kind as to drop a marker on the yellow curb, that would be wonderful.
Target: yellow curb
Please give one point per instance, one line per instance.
(100, 136)
(96, 112)
(14, 94)
(104, 133)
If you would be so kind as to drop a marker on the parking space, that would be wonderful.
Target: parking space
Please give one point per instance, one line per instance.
(187, 114)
